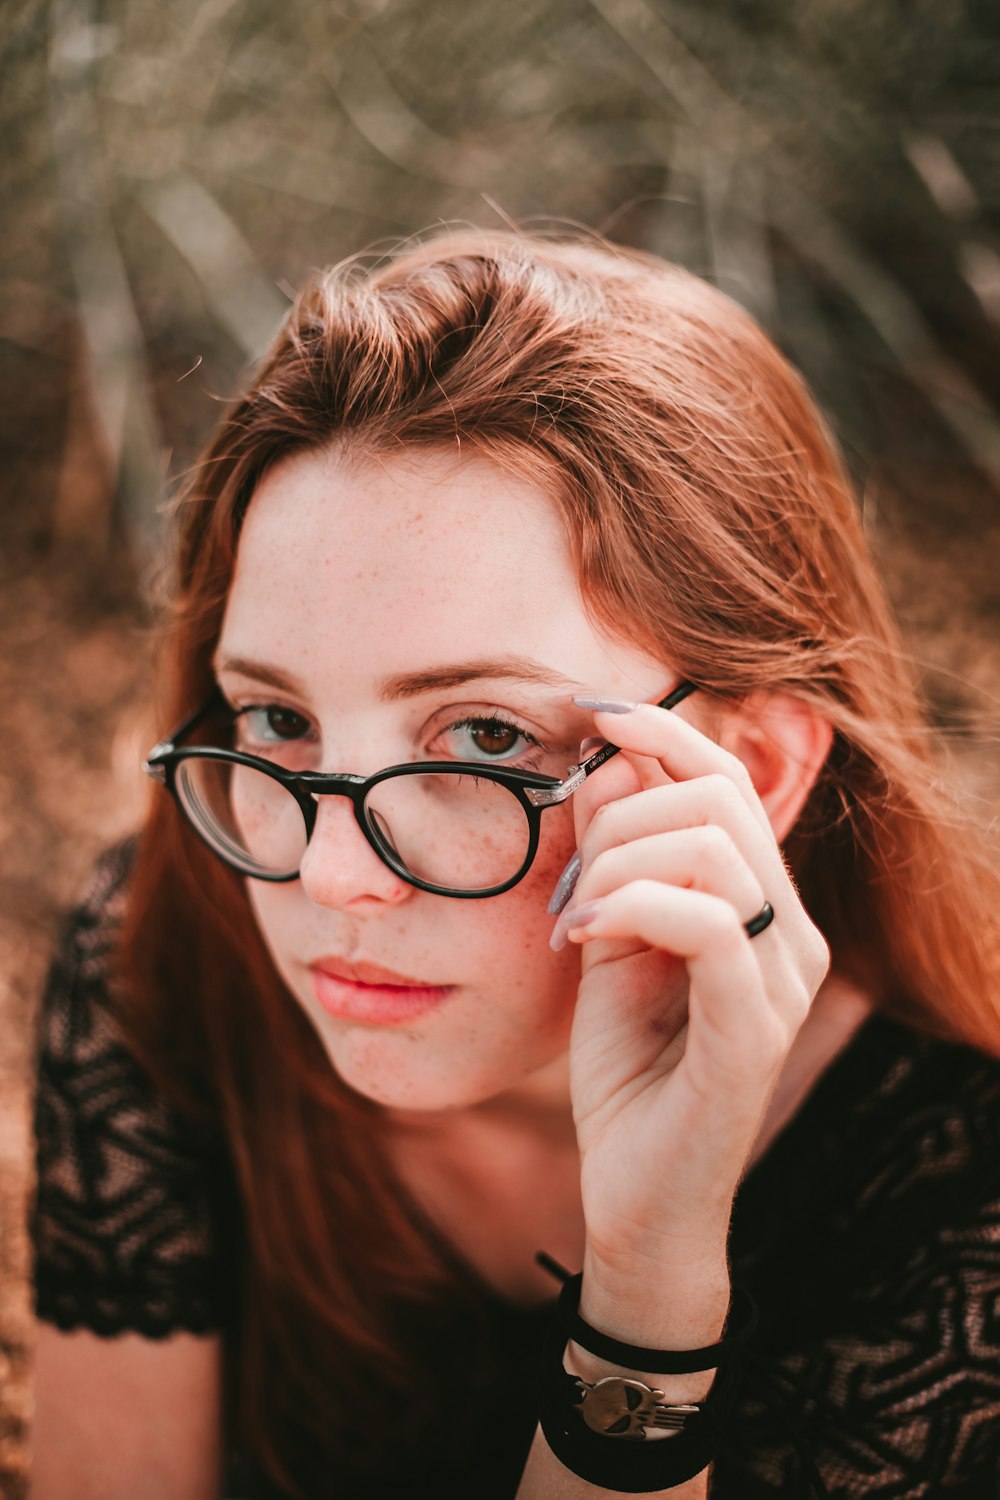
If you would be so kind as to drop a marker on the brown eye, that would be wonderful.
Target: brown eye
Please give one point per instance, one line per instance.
(270, 724)
(493, 736)
(489, 738)
(284, 724)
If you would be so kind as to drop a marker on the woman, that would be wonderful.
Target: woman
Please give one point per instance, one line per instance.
(326, 1064)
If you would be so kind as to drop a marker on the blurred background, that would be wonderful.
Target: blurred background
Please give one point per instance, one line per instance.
(171, 172)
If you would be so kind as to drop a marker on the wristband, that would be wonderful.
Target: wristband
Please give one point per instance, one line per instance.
(618, 1458)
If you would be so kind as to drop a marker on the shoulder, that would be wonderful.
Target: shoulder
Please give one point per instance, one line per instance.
(871, 1238)
(898, 1116)
(928, 1118)
(131, 1209)
(79, 988)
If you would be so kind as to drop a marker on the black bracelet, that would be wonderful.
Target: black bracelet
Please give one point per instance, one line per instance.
(656, 1361)
(630, 1467)
(633, 1468)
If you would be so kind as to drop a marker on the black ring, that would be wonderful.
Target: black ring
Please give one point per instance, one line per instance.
(763, 919)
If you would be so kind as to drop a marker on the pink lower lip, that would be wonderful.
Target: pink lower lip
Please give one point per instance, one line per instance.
(376, 1004)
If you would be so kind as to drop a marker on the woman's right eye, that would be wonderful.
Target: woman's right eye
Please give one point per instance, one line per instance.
(270, 724)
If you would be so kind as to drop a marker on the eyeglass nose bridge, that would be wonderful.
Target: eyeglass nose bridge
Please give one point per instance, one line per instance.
(309, 786)
(329, 784)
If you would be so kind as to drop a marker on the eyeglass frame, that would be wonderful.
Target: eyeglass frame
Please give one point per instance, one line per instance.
(534, 790)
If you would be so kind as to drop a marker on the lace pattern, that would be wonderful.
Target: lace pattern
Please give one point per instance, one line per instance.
(877, 1373)
(121, 1220)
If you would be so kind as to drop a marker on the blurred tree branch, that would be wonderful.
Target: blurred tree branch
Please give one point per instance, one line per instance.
(721, 121)
(113, 338)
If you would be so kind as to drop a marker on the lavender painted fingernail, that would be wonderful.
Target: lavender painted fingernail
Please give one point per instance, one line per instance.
(565, 886)
(605, 705)
(573, 916)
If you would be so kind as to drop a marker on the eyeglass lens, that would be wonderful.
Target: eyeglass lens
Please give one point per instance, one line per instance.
(456, 830)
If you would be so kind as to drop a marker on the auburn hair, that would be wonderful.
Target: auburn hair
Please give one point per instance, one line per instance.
(712, 524)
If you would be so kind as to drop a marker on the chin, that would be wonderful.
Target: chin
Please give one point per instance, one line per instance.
(410, 1074)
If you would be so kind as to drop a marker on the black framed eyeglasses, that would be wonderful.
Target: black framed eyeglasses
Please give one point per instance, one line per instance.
(454, 828)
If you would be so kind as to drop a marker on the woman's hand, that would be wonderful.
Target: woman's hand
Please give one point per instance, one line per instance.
(683, 1021)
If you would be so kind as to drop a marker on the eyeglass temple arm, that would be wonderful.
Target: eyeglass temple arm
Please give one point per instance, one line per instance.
(191, 722)
(578, 774)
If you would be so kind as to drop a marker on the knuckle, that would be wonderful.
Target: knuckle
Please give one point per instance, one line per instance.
(717, 847)
(721, 789)
(602, 863)
(818, 958)
(603, 816)
(597, 834)
(724, 928)
(740, 775)
(643, 891)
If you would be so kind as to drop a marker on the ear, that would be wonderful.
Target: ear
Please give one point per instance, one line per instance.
(783, 743)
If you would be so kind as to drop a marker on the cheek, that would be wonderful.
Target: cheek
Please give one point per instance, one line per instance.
(273, 911)
(556, 845)
(517, 925)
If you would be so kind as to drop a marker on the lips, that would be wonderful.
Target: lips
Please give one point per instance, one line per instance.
(367, 974)
(368, 995)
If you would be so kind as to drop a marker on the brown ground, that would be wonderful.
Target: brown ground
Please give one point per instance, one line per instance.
(73, 678)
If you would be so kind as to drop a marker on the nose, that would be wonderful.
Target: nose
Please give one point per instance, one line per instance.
(340, 868)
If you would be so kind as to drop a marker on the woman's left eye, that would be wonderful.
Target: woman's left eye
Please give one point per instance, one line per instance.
(270, 724)
(490, 737)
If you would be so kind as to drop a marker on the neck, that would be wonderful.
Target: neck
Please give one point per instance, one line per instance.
(538, 1106)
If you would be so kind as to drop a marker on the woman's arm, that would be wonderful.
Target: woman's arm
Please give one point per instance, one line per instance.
(685, 1016)
(125, 1238)
(126, 1417)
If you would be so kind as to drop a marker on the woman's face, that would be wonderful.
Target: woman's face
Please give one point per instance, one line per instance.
(353, 575)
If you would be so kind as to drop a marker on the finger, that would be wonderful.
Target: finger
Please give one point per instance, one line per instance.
(648, 770)
(704, 802)
(702, 859)
(616, 779)
(728, 991)
(606, 784)
(682, 751)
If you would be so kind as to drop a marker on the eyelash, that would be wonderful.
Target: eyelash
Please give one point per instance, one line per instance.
(494, 722)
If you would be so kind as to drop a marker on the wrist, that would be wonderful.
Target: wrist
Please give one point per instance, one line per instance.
(665, 1304)
(684, 1307)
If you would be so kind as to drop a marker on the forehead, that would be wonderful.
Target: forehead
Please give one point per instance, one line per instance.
(377, 564)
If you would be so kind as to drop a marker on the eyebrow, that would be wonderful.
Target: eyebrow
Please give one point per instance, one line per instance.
(433, 679)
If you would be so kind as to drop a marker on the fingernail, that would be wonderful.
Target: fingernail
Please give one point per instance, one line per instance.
(589, 745)
(565, 885)
(605, 705)
(573, 916)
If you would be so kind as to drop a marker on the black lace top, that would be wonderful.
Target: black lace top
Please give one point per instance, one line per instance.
(869, 1234)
